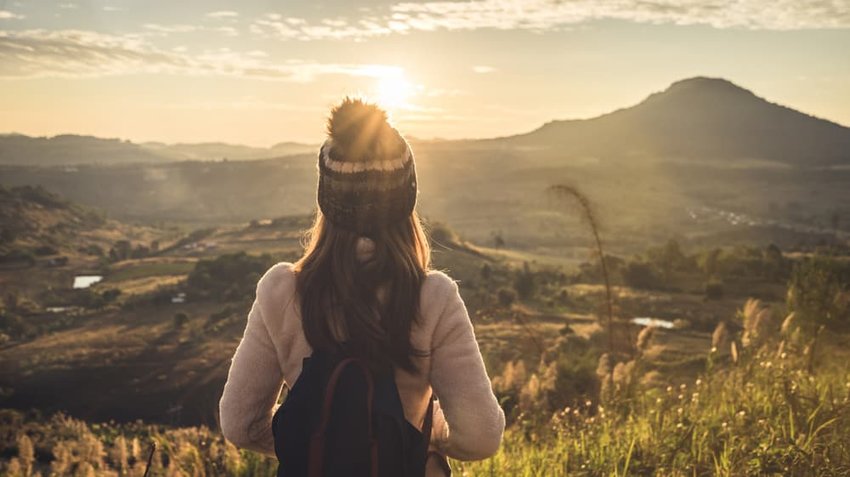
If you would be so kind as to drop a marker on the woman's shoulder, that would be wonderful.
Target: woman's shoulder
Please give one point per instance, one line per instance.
(438, 290)
(277, 285)
(438, 281)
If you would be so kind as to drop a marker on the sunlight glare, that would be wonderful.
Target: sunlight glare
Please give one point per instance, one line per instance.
(393, 91)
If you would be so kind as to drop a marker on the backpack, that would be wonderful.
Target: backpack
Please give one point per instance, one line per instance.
(342, 419)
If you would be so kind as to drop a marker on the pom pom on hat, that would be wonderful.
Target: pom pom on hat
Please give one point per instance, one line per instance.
(367, 175)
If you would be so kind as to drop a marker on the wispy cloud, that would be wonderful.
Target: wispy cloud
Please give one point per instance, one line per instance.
(68, 6)
(549, 14)
(273, 25)
(553, 15)
(165, 30)
(223, 14)
(181, 28)
(7, 15)
(75, 53)
(483, 69)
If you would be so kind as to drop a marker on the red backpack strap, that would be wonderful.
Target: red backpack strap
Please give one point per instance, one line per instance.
(317, 443)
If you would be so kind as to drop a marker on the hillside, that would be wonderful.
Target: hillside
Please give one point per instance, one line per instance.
(699, 118)
(710, 157)
(70, 149)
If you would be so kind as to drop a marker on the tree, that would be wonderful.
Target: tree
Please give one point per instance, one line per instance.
(640, 275)
(506, 297)
(819, 293)
(180, 320)
(486, 272)
(524, 282)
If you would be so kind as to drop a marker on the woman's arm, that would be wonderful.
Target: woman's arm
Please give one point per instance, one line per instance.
(253, 385)
(475, 421)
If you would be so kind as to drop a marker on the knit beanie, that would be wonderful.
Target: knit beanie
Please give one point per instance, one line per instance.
(367, 177)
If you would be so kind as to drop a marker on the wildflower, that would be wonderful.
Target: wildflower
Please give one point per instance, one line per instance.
(713, 349)
(680, 411)
(681, 397)
(699, 382)
(658, 400)
(783, 355)
(683, 386)
(669, 389)
(679, 426)
(724, 425)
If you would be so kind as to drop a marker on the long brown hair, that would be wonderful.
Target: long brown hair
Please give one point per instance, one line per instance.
(367, 306)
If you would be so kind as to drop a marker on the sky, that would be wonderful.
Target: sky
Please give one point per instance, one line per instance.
(259, 72)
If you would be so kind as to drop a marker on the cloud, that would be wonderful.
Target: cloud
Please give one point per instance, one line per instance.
(544, 15)
(275, 26)
(68, 6)
(165, 30)
(76, 53)
(7, 15)
(554, 15)
(483, 69)
(223, 14)
(170, 28)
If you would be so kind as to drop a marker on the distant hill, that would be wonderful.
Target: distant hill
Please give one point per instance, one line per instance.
(217, 150)
(698, 118)
(71, 149)
(68, 149)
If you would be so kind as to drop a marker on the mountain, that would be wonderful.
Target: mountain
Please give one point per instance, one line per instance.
(699, 118)
(218, 150)
(68, 149)
(71, 149)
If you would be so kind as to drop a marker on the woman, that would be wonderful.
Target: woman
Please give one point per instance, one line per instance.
(364, 280)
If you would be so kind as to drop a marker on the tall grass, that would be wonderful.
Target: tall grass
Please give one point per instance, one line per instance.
(764, 413)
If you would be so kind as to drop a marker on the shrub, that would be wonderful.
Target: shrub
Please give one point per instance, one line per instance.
(714, 290)
(230, 277)
(442, 234)
(525, 283)
(640, 275)
(819, 293)
(180, 320)
(44, 250)
(506, 297)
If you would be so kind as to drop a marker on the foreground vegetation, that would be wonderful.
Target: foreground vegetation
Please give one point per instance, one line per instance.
(765, 393)
(776, 403)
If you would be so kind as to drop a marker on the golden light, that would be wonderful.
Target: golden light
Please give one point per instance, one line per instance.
(393, 91)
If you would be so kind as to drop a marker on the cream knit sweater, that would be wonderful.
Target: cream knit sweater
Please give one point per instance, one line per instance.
(274, 346)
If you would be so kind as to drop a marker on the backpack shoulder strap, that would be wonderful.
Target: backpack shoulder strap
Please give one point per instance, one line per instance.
(317, 443)
(429, 422)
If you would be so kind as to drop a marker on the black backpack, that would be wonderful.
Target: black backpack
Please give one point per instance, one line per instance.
(343, 419)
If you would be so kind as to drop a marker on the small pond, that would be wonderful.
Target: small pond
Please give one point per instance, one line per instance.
(85, 281)
(658, 322)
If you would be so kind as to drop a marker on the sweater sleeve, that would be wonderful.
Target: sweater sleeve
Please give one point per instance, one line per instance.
(474, 420)
(253, 385)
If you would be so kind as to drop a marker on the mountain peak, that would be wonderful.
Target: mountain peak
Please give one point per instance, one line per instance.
(703, 118)
(706, 85)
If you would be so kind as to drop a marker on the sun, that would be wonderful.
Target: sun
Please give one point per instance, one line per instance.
(393, 91)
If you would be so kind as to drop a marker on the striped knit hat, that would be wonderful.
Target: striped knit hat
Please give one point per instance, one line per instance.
(367, 177)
